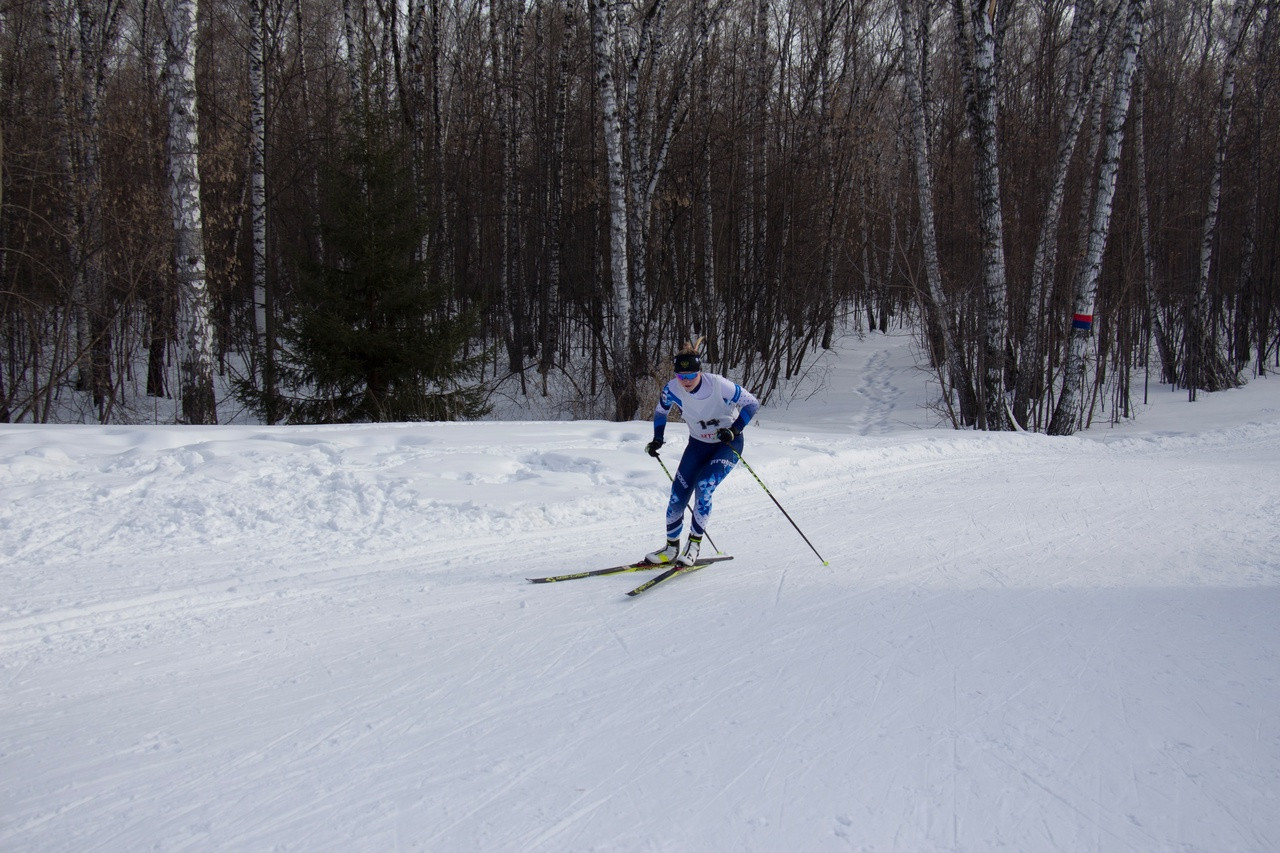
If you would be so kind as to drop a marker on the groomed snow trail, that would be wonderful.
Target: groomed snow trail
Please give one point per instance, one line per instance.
(321, 639)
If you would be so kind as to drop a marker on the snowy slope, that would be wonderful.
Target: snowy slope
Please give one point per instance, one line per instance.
(248, 638)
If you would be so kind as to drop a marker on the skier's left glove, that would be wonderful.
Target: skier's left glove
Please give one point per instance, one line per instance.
(726, 435)
(652, 447)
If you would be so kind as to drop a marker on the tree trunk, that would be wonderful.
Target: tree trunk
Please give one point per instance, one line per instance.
(355, 59)
(1251, 282)
(55, 29)
(97, 33)
(1066, 415)
(1031, 368)
(618, 320)
(304, 91)
(951, 368)
(263, 326)
(1154, 319)
(976, 36)
(1206, 368)
(79, 36)
(195, 327)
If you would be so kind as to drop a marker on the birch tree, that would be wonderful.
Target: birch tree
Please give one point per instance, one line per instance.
(1080, 85)
(264, 327)
(195, 328)
(1066, 415)
(639, 122)
(550, 306)
(976, 25)
(913, 17)
(736, 172)
(618, 325)
(1206, 367)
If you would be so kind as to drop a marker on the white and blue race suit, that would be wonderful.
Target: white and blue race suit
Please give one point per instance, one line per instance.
(714, 403)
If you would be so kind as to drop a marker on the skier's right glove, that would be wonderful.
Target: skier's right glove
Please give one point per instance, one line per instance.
(652, 447)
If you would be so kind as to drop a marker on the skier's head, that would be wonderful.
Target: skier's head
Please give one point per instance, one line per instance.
(688, 367)
(687, 361)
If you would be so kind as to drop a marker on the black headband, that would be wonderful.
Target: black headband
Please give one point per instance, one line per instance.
(688, 362)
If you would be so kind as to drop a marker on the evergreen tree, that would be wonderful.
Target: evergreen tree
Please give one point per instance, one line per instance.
(371, 337)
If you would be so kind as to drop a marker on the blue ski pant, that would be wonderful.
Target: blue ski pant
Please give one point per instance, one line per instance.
(702, 467)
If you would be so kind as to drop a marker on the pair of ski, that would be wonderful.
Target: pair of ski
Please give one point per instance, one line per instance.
(641, 566)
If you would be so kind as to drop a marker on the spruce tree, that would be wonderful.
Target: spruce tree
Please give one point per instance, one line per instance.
(371, 336)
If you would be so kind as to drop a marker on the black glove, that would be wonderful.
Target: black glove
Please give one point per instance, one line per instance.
(726, 435)
(652, 447)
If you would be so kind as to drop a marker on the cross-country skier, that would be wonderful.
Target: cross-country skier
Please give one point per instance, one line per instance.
(716, 411)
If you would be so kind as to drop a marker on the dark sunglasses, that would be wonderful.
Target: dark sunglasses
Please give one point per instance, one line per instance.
(687, 377)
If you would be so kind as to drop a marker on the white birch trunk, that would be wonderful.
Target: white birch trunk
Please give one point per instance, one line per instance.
(1066, 415)
(257, 168)
(650, 134)
(618, 320)
(638, 138)
(976, 28)
(1031, 370)
(550, 305)
(1164, 344)
(263, 325)
(195, 327)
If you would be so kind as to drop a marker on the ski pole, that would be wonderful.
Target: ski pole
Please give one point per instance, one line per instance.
(778, 505)
(673, 479)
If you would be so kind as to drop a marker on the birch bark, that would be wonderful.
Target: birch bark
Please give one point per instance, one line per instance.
(618, 313)
(976, 34)
(1066, 415)
(1080, 84)
(1165, 347)
(263, 325)
(195, 328)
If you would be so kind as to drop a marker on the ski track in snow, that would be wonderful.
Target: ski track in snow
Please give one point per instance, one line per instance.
(245, 638)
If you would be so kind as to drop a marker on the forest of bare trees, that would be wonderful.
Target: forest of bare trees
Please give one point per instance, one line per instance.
(376, 209)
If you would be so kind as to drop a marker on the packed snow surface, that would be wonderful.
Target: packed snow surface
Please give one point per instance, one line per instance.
(321, 638)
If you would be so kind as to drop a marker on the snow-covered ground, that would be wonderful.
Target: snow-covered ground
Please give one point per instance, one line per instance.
(320, 638)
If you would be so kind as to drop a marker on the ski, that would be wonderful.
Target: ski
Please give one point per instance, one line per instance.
(613, 570)
(678, 570)
(617, 570)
